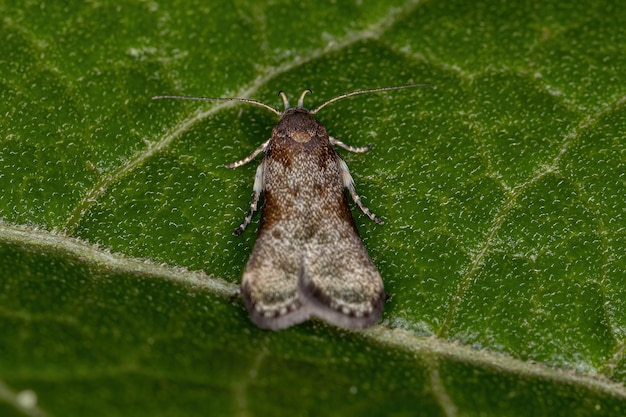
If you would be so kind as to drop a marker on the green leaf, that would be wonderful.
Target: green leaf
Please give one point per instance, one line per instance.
(502, 189)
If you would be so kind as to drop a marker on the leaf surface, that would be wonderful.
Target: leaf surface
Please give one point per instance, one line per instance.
(502, 189)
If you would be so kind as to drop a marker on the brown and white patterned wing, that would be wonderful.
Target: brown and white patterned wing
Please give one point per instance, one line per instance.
(270, 283)
(340, 284)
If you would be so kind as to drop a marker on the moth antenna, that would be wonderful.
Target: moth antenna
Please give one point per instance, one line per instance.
(285, 101)
(243, 100)
(301, 99)
(373, 90)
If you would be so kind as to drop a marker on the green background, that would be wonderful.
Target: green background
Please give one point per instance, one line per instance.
(502, 190)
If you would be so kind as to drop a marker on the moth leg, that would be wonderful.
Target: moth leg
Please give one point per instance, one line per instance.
(348, 182)
(250, 157)
(258, 187)
(234, 296)
(360, 149)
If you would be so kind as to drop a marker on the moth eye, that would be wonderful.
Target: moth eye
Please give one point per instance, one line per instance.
(301, 136)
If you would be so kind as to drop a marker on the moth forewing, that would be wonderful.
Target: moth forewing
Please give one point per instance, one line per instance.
(341, 283)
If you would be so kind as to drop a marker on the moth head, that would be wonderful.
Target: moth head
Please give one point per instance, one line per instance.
(297, 124)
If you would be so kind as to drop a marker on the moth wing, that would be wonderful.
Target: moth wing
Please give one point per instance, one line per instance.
(270, 283)
(340, 284)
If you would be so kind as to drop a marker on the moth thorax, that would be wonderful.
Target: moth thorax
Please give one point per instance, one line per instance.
(301, 136)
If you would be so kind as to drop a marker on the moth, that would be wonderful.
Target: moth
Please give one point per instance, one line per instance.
(308, 259)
